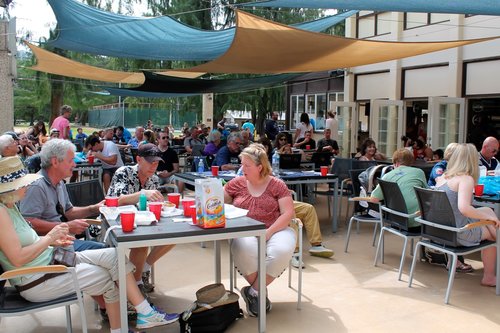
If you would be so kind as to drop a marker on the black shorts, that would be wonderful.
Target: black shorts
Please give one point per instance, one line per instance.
(109, 172)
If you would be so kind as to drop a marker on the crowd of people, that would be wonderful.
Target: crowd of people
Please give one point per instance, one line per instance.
(37, 214)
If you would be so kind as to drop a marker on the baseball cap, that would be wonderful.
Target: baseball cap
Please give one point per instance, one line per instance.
(12, 134)
(149, 152)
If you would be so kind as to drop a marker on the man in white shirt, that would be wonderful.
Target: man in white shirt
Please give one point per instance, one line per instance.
(109, 155)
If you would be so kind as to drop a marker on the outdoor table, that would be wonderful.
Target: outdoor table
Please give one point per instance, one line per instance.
(489, 201)
(167, 232)
(290, 177)
(86, 169)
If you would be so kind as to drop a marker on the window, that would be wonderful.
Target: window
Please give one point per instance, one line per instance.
(370, 24)
(315, 105)
(415, 20)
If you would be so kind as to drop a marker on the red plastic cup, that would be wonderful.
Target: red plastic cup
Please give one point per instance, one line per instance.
(479, 190)
(308, 147)
(127, 220)
(324, 170)
(155, 208)
(215, 170)
(90, 158)
(186, 205)
(174, 198)
(111, 202)
(192, 211)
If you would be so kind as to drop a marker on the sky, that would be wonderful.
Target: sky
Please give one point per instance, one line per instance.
(36, 17)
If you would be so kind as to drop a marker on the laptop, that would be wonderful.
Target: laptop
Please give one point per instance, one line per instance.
(290, 161)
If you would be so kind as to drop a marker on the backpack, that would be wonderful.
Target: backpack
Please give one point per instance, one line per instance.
(210, 321)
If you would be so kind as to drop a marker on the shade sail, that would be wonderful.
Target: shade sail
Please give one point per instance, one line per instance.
(87, 29)
(163, 84)
(49, 62)
(478, 7)
(264, 47)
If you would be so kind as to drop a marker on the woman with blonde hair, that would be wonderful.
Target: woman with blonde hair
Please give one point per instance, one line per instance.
(267, 200)
(458, 182)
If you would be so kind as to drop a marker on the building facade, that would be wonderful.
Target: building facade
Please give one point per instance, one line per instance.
(440, 97)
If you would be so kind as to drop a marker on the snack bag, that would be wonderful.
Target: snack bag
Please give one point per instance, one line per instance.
(209, 197)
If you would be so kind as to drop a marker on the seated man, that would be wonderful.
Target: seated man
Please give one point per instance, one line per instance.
(193, 140)
(46, 203)
(488, 152)
(127, 184)
(327, 144)
(109, 155)
(307, 140)
(307, 214)
(227, 157)
(170, 159)
(407, 178)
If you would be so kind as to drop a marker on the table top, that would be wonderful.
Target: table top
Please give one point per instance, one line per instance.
(285, 174)
(165, 228)
(88, 165)
(489, 198)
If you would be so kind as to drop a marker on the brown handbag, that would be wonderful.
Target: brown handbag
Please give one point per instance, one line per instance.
(63, 256)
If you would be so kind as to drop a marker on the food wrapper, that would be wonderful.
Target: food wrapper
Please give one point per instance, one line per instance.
(209, 197)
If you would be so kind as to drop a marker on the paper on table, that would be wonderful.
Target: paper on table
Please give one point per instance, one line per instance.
(233, 212)
(174, 212)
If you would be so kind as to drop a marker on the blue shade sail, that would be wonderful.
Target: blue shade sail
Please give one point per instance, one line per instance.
(87, 29)
(478, 7)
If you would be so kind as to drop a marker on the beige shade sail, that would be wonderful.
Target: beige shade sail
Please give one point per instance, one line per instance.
(265, 47)
(49, 62)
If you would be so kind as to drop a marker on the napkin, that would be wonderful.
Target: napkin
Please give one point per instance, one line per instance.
(233, 212)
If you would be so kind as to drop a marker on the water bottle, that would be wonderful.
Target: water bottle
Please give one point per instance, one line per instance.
(201, 166)
(482, 171)
(143, 200)
(276, 164)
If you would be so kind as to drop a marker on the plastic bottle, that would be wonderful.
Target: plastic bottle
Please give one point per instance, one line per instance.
(143, 200)
(482, 171)
(201, 166)
(276, 164)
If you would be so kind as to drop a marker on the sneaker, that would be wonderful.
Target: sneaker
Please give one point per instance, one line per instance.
(320, 251)
(269, 305)
(295, 261)
(104, 314)
(148, 286)
(252, 302)
(155, 318)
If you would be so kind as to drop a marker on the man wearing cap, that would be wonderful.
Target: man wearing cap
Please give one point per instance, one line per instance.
(61, 123)
(127, 184)
(46, 203)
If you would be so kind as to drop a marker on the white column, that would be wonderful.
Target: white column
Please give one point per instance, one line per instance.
(7, 76)
(208, 110)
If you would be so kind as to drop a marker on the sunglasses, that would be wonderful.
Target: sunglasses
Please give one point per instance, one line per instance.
(164, 137)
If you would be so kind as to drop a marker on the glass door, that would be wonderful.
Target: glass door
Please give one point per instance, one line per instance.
(446, 121)
(347, 120)
(387, 125)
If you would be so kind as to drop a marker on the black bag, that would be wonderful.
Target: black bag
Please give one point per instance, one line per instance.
(210, 321)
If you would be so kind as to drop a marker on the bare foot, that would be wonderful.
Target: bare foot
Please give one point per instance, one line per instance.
(489, 282)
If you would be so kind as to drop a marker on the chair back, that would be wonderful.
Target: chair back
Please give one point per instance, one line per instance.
(290, 161)
(2, 283)
(321, 159)
(133, 152)
(357, 164)
(394, 200)
(435, 207)
(84, 193)
(341, 167)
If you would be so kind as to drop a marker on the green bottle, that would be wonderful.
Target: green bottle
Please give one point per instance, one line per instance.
(143, 200)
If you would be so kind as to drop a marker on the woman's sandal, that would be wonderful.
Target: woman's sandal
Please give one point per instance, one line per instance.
(462, 267)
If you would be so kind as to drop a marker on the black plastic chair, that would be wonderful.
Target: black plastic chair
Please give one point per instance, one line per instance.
(440, 232)
(321, 159)
(12, 304)
(360, 213)
(84, 193)
(395, 219)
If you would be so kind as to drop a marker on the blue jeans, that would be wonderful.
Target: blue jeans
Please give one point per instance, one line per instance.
(82, 245)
